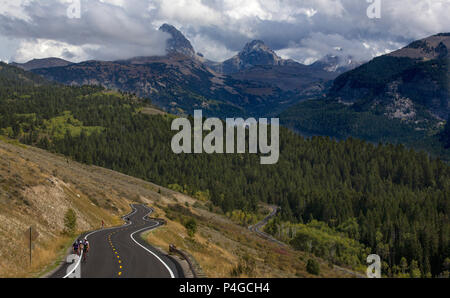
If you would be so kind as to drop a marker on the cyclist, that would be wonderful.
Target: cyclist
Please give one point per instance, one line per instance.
(85, 249)
(81, 246)
(76, 248)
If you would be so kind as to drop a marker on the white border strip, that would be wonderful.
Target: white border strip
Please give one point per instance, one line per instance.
(76, 266)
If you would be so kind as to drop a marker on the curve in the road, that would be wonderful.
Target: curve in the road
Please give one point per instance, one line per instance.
(257, 227)
(118, 252)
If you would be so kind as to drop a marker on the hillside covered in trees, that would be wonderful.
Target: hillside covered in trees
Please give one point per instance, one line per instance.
(397, 200)
(400, 98)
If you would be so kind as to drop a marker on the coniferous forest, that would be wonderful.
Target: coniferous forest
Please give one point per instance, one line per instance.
(397, 199)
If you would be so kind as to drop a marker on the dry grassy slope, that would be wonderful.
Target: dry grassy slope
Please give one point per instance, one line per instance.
(220, 246)
(37, 187)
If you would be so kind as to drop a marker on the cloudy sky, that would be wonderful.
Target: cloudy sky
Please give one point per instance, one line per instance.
(304, 30)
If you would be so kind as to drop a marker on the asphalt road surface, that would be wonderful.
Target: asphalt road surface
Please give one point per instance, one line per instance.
(121, 252)
(257, 228)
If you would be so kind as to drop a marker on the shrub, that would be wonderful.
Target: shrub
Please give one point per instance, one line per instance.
(313, 267)
(246, 265)
(191, 227)
(70, 222)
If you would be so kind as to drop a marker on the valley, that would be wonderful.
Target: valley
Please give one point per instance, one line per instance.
(334, 193)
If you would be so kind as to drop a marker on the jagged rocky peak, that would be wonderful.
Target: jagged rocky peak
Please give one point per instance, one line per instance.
(177, 43)
(255, 53)
(255, 46)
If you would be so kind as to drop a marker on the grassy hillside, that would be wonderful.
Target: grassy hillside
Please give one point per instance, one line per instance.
(37, 187)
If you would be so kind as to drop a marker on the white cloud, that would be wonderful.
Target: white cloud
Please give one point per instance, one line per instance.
(313, 48)
(299, 29)
(187, 11)
(114, 2)
(417, 17)
(211, 49)
(13, 8)
(42, 48)
(107, 29)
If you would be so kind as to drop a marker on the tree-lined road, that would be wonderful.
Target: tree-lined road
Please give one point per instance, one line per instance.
(121, 252)
(257, 227)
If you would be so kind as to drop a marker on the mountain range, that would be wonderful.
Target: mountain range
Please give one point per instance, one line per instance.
(401, 97)
(255, 82)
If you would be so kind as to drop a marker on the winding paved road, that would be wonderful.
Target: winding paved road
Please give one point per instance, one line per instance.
(121, 253)
(257, 228)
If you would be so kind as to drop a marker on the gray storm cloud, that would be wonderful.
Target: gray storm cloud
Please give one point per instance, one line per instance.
(104, 31)
(300, 29)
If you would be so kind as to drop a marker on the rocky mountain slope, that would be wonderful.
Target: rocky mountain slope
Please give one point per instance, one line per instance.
(400, 97)
(433, 47)
(177, 43)
(403, 82)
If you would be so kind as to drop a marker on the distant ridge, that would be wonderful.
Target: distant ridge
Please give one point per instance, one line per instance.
(42, 63)
(433, 47)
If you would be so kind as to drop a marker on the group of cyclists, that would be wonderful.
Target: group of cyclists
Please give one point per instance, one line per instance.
(81, 246)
